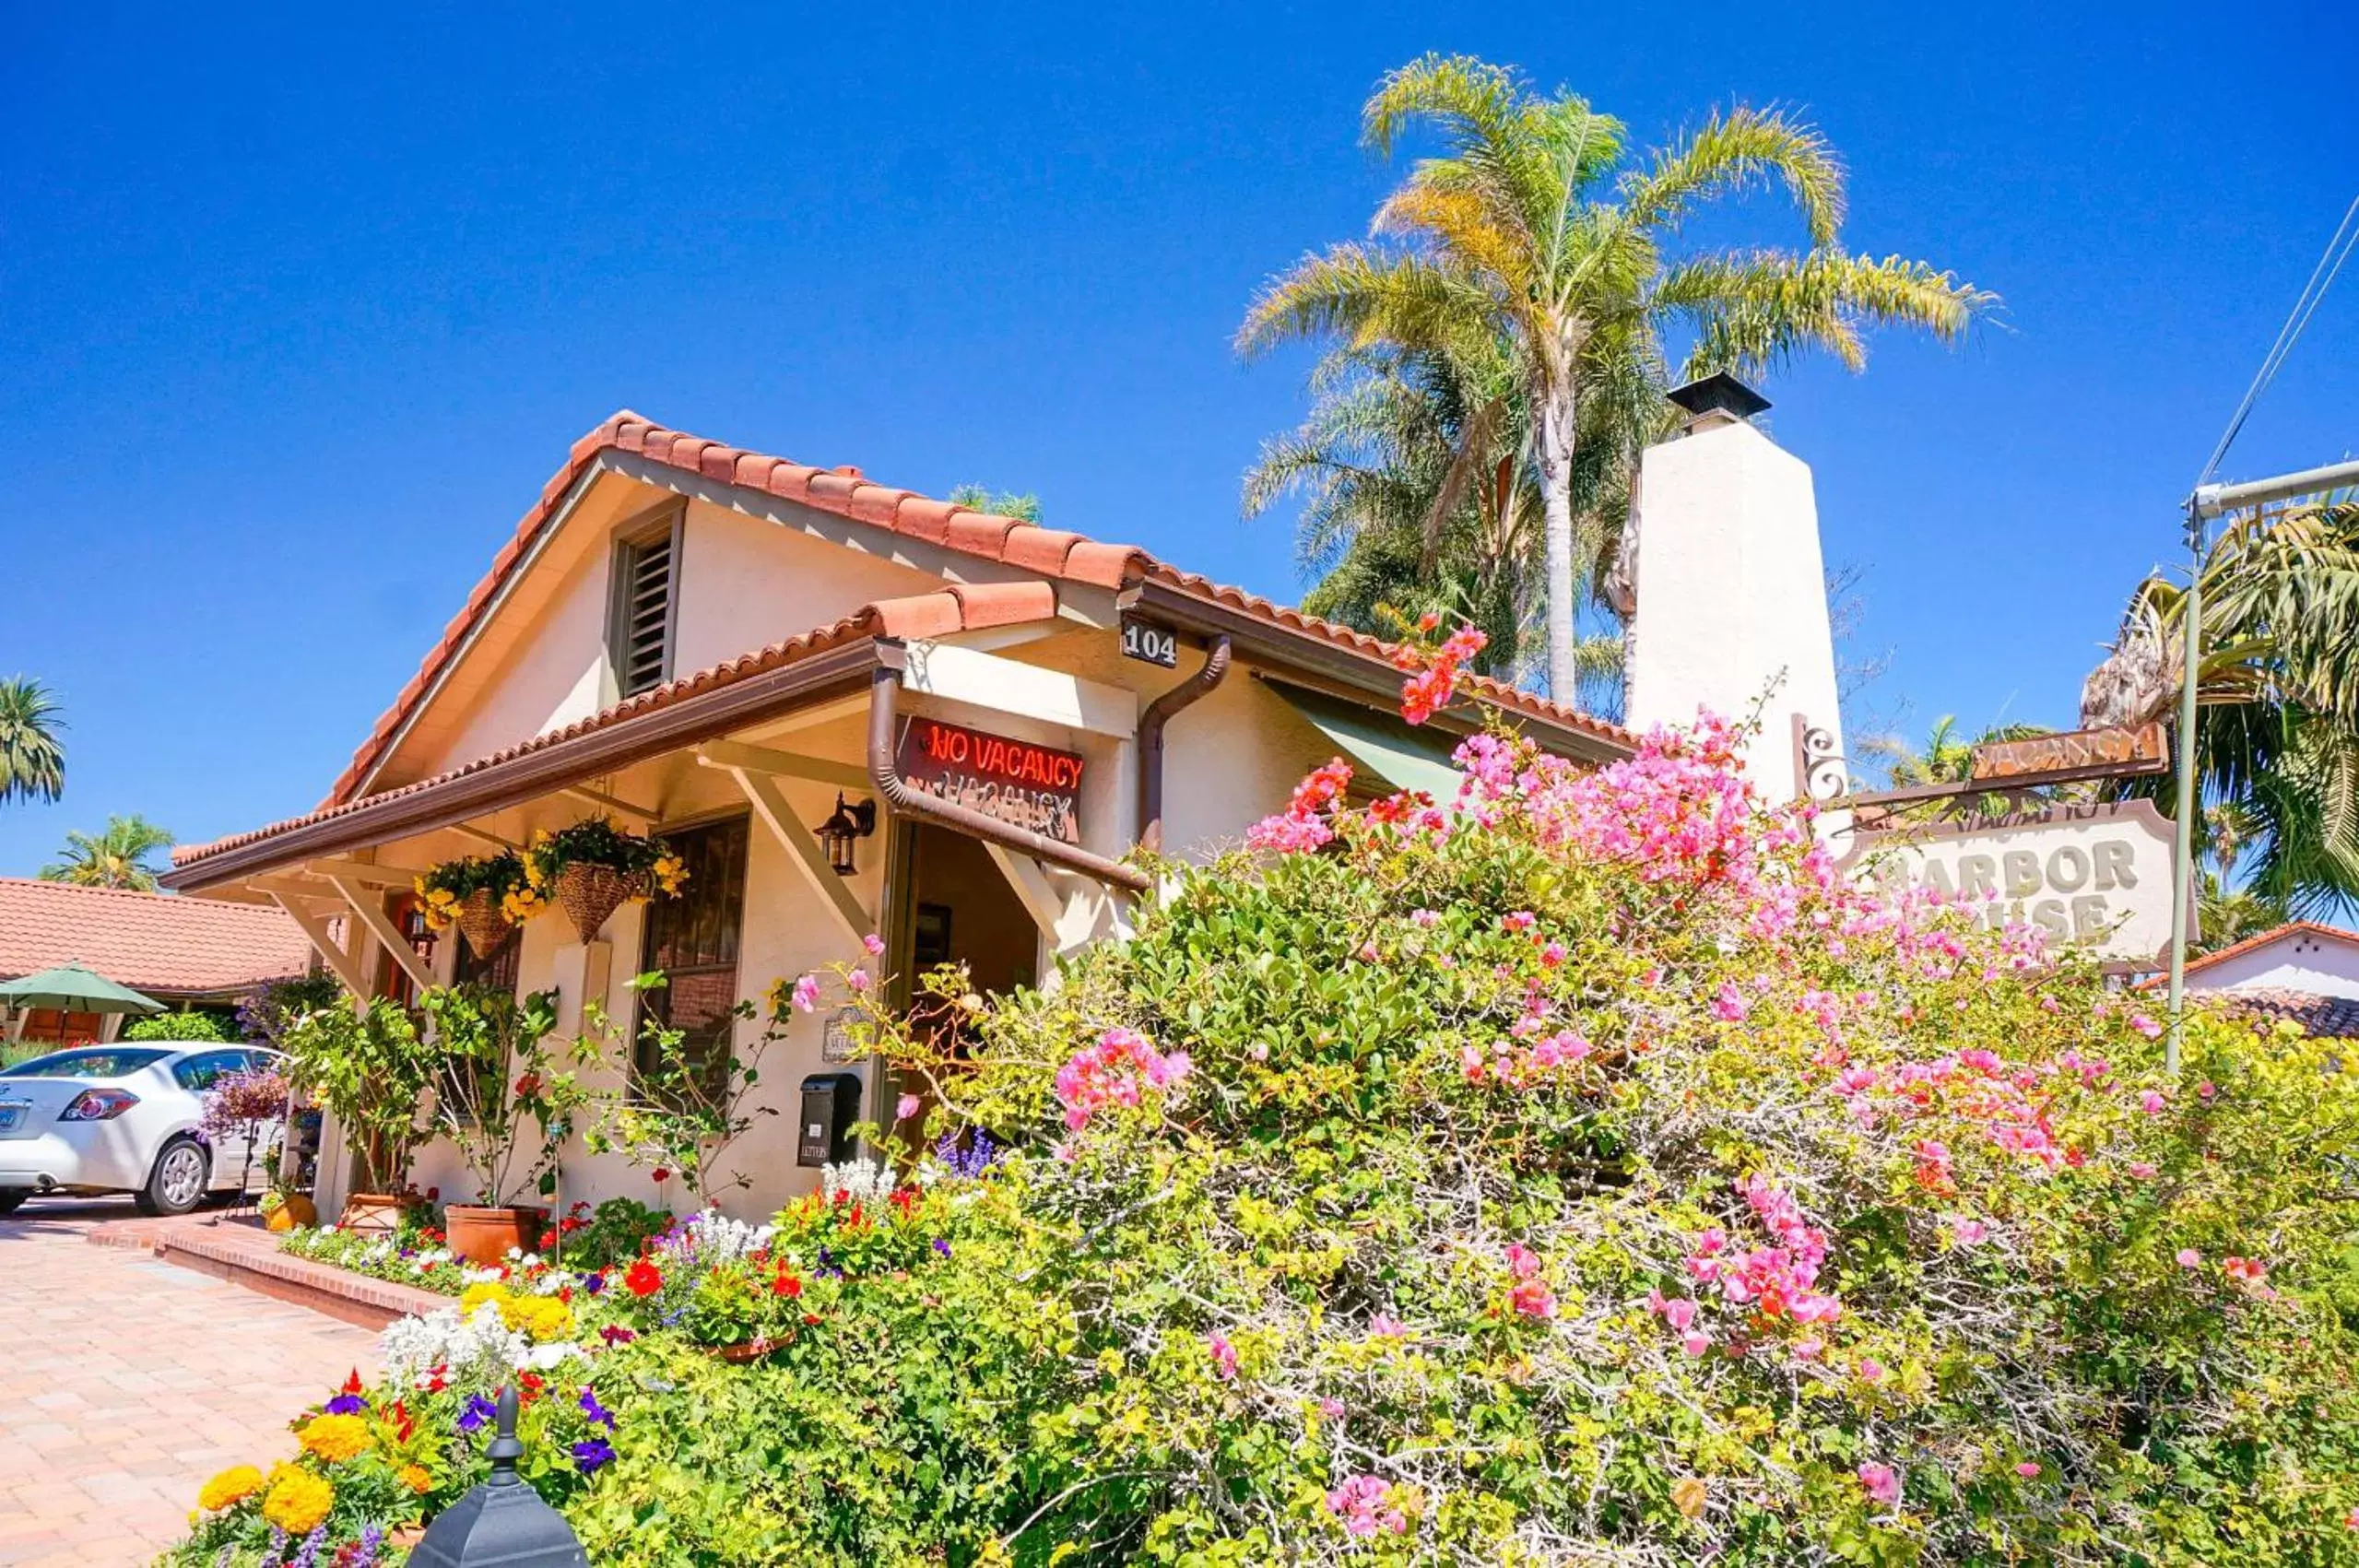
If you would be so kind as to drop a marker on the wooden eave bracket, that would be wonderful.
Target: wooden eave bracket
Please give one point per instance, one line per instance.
(762, 791)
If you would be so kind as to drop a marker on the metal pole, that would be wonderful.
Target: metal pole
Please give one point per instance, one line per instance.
(2183, 856)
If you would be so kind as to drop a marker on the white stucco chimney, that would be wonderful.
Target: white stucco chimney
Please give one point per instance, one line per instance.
(1729, 589)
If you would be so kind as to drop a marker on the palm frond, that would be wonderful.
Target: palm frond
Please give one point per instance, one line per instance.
(1732, 154)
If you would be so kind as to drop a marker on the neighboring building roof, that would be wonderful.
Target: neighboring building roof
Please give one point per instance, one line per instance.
(1054, 553)
(2327, 1018)
(147, 941)
(2277, 934)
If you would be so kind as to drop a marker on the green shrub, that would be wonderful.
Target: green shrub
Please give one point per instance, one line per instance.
(184, 1025)
(1591, 1176)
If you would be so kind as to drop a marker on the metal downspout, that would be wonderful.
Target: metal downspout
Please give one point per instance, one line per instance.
(1161, 711)
(883, 713)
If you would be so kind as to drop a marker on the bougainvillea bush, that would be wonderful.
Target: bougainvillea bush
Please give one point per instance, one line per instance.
(1581, 1171)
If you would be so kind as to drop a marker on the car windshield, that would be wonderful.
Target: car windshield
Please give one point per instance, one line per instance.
(102, 1063)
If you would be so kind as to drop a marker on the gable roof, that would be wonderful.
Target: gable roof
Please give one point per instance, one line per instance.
(1054, 554)
(147, 941)
(2276, 934)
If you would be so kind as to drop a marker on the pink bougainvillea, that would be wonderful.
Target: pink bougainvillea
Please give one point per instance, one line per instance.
(1362, 1505)
(1115, 1071)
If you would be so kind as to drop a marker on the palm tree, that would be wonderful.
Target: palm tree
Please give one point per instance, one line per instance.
(32, 763)
(1513, 237)
(115, 858)
(1947, 758)
(2277, 731)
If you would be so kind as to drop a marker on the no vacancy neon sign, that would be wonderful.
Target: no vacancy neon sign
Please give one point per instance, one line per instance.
(1031, 786)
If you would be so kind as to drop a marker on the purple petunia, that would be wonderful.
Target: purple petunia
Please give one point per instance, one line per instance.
(593, 1454)
(597, 1412)
(594, 1283)
(347, 1405)
(478, 1411)
(942, 1245)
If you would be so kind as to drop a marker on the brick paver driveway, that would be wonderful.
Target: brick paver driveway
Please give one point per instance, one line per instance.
(124, 1381)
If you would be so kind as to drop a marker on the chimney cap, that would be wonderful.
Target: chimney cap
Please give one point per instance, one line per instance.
(1716, 394)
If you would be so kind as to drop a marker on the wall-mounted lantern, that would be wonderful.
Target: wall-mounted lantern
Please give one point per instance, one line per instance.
(839, 832)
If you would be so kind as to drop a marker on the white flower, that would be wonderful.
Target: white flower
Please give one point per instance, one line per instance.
(541, 1358)
(859, 1180)
(483, 1345)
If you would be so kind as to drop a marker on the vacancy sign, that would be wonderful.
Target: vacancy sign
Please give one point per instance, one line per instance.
(1034, 787)
(2097, 876)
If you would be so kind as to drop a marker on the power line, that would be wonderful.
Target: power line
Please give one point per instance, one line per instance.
(2306, 304)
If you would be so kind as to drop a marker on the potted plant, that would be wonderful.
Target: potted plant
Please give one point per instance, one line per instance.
(287, 1208)
(502, 1099)
(247, 1106)
(483, 895)
(593, 867)
(369, 1069)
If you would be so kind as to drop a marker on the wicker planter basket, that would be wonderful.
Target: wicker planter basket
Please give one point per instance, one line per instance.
(481, 923)
(590, 893)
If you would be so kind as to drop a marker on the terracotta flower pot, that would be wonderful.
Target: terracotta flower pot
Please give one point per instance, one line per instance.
(485, 1235)
(589, 893)
(373, 1212)
(481, 923)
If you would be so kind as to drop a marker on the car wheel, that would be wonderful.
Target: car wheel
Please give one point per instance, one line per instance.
(177, 1181)
(12, 1197)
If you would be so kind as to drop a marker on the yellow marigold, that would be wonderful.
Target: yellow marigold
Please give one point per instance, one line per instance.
(234, 1484)
(415, 1478)
(298, 1500)
(477, 1294)
(542, 1317)
(335, 1438)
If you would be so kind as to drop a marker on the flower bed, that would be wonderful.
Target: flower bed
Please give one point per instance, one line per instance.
(416, 1253)
(1590, 1173)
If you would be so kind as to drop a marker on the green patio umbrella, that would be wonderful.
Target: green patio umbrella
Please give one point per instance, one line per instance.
(72, 988)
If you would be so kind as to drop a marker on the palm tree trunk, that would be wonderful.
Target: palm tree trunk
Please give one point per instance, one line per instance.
(1556, 435)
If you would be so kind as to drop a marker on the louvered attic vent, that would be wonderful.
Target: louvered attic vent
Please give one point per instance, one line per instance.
(642, 629)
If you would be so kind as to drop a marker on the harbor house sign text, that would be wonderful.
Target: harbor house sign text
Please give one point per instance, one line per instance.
(2098, 875)
(1031, 786)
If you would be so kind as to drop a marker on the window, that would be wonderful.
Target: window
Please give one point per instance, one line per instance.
(198, 1074)
(497, 972)
(694, 940)
(646, 576)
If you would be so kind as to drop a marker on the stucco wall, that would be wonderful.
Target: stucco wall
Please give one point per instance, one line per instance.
(2300, 961)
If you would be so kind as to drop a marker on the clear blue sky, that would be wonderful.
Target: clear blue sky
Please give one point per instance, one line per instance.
(297, 315)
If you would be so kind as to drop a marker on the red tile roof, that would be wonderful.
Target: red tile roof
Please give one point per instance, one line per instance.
(2290, 928)
(960, 608)
(2327, 1018)
(846, 493)
(147, 941)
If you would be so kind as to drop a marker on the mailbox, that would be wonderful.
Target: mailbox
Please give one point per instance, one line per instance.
(831, 1104)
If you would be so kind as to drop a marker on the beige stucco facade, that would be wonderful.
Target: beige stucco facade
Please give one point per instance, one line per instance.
(530, 676)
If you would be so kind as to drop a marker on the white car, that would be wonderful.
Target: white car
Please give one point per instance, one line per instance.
(123, 1118)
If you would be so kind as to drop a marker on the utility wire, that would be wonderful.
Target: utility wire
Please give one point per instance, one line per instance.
(2306, 304)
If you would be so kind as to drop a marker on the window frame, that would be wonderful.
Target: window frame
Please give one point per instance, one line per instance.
(669, 524)
(646, 1002)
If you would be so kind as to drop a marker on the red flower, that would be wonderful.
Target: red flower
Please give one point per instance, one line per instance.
(810, 1318)
(785, 1285)
(643, 1278)
(352, 1382)
(662, 1174)
(533, 1383)
(528, 1086)
(403, 1425)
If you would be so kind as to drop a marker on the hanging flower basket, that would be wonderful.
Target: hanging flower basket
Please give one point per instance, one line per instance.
(594, 867)
(590, 893)
(482, 895)
(483, 922)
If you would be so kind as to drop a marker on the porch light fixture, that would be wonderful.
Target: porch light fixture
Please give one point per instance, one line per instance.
(839, 832)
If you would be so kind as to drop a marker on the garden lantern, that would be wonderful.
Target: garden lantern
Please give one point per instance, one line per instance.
(502, 1521)
(839, 832)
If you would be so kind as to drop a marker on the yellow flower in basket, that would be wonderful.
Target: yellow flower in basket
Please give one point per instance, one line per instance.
(670, 872)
